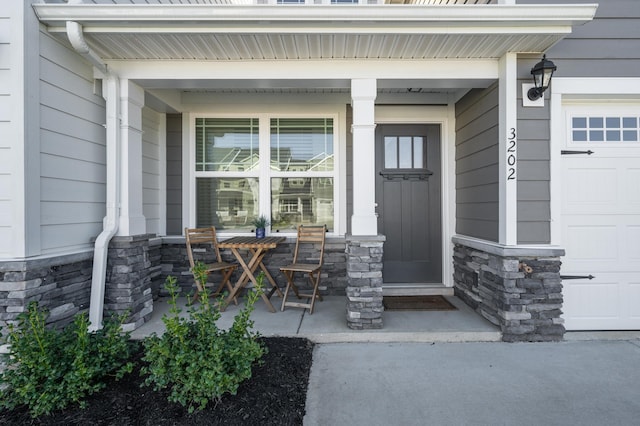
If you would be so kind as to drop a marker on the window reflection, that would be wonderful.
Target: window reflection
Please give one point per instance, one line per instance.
(301, 201)
(226, 202)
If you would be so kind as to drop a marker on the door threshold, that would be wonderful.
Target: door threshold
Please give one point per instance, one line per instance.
(416, 289)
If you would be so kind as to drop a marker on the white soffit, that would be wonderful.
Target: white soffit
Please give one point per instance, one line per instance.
(264, 32)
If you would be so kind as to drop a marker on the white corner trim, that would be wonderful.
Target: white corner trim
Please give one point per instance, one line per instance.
(508, 155)
(188, 173)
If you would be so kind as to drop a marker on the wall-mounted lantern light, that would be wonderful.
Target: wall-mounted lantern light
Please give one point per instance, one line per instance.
(542, 73)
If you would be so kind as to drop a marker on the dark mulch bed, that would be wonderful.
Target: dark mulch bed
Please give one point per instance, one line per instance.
(274, 395)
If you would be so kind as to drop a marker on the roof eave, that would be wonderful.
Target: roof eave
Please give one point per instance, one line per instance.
(482, 19)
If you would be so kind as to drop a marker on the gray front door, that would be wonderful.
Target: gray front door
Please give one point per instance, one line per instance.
(409, 207)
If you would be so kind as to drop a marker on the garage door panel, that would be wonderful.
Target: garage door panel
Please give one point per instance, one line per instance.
(633, 181)
(593, 242)
(588, 189)
(608, 302)
(581, 300)
(633, 242)
(633, 307)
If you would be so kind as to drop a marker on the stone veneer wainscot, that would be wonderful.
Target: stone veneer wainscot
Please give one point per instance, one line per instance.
(517, 288)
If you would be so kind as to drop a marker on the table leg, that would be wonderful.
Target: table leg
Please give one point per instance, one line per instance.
(247, 275)
(275, 288)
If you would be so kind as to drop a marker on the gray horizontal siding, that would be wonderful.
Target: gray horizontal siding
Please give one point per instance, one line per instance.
(533, 210)
(477, 164)
(72, 149)
(8, 147)
(151, 169)
(604, 47)
(174, 174)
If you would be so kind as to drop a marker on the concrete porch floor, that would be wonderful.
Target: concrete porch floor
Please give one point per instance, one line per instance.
(328, 323)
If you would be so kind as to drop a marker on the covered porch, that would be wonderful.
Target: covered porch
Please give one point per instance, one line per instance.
(327, 324)
(166, 67)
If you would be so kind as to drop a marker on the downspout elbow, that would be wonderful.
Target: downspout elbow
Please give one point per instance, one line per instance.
(77, 40)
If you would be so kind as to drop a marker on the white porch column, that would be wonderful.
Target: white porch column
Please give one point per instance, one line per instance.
(508, 156)
(131, 220)
(363, 95)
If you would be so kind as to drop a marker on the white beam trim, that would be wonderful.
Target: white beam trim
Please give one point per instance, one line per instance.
(508, 155)
(308, 70)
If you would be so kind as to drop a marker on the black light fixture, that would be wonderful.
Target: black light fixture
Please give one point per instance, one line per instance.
(542, 73)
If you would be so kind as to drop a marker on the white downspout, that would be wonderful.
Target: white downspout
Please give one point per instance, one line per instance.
(110, 91)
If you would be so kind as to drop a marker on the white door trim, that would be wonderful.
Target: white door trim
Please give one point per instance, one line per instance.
(445, 117)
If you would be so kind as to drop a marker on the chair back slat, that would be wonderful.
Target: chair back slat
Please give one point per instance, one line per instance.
(310, 234)
(195, 236)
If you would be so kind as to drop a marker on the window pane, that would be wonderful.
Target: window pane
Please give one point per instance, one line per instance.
(613, 122)
(630, 135)
(613, 135)
(596, 122)
(418, 159)
(580, 135)
(405, 152)
(630, 122)
(226, 144)
(226, 203)
(301, 201)
(596, 136)
(580, 122)
(390, 152)
(302, 144)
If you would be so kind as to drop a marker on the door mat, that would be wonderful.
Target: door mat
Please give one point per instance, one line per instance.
(417, 303)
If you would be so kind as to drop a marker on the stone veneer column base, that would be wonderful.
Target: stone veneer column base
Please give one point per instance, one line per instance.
(517, 288)
(364, 278)
(128, 287)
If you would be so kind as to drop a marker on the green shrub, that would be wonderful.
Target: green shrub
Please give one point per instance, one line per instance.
(47, 369)
(194, 359)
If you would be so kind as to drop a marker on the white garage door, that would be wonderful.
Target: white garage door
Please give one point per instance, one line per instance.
(601, 220)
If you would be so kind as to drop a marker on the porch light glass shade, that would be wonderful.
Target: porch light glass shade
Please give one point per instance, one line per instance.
(542, 73)
(301, 201)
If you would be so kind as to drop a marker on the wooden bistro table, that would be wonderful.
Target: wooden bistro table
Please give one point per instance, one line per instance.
(257, 248)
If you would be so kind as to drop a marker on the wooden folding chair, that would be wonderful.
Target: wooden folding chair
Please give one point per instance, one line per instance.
(313, 235)
(200, 236)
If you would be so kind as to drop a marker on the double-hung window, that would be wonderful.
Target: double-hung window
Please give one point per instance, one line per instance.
(282, 167)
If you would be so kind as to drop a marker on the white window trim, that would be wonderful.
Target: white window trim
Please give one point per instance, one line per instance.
(264, 114)
(566, 91)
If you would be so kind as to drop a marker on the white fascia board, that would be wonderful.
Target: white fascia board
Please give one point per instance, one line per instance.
(309, 70)
(267, 18)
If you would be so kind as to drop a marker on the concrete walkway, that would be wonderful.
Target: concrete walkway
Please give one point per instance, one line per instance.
(569, 383)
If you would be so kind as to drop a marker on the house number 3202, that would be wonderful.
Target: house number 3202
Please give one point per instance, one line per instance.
(511, 154)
